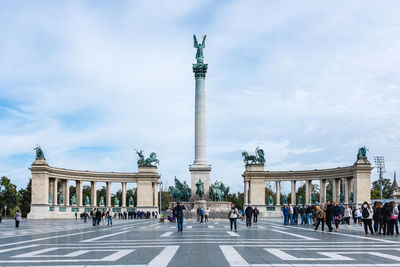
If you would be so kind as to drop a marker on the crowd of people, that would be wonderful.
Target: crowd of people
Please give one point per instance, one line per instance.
(378, 219)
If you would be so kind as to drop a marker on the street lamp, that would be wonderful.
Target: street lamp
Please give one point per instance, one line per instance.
(380, 167)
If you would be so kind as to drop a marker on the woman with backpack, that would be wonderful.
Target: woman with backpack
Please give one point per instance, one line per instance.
(336, 215)
(367, 217)
(347, 215)
(233, 215)
(319, 215)
(394, 212)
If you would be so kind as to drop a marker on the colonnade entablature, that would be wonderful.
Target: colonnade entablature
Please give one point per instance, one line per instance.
(356, 180)
(50, 201)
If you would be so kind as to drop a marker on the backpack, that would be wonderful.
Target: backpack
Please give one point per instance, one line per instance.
(365, 213)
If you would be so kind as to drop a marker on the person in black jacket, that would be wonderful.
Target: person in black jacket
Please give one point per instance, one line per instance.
(178, 213)
(329, 214)
(249, 214)
(255, 213)
(98, 216)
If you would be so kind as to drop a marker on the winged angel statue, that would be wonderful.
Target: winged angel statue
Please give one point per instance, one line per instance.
(200, 47)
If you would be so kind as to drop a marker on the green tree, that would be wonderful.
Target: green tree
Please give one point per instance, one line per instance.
(237, 199)
(8, 195)
(86, 192)
(24, 198)
(387, 189)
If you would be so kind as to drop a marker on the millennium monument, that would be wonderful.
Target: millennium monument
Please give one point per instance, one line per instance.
(51, 197)
(201, 193)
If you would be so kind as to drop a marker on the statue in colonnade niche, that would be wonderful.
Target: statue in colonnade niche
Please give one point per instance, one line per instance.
(39, 152)
(87, 201)
(130, 201)
(341, 198)
(328, 197)
(101, 201)
(116, 201)
(270, 200)
(73, 200)
(300, 201)
(258, 158)
(351, 197)
(284, 200)
(60, 198)
(50, 199)
(313, 199)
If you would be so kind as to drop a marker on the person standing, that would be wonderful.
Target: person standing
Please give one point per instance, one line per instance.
(347, 215)
(295, 215)
(232, 215)
(178, 213)
(98, 216)
(309, 212)
(93, 215)
(109, 217)
(367, 217)
(319, 215)
(336, 215)
(201, 215)
(249, 214)
(290, 214)
(329, 214)
(303, 215)
(256, 212)
(285, 211)
(85, 217)
(206, 215)
(198, 214)
(17, 218)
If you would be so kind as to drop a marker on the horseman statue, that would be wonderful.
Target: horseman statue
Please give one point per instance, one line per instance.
(219, 191)
(181, 191)
(362, 153)
(258, 158)
(147, 162)
(39, 152)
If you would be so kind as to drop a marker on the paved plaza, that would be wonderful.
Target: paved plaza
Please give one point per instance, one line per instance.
(149, 243)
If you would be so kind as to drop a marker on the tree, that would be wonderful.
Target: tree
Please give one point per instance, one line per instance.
(236, 199)
(86, 192)
(387, 189)
(24, 198)
(8, 195)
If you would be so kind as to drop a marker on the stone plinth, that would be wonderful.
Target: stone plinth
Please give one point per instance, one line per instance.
(200, 172)
(147, 169)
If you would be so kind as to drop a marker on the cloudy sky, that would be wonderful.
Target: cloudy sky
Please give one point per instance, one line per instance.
(90, 81)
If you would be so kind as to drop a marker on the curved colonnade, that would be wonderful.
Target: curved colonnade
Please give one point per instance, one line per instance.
(356, 178)
(45, 180)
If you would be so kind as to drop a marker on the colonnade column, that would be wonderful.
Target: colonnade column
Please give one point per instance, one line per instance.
(308, 192)
(293, 193)
(66, 191)
(155, 193)
(336, 190)
(108, 194)
(55, 192)
(79, 193)
(93, 194)
(278, 193)
(347, 185)
(246, 193)
(322, 191)
(123, 194)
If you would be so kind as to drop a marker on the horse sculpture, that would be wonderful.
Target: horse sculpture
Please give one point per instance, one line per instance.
(362, 153)
(258, 158)
(180, 192)
(219, 192)
(147, 162)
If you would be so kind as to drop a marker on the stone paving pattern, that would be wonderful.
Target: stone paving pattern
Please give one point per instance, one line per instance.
(150, 243)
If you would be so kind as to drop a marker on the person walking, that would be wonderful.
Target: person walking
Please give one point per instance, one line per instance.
(347, 215)
(98, 216)
(358, 216)
(232, 215)
(367, 217)
(109, 215)
(178, 214)
(249, 214)
(319, 215)
(256, 212)
(329, 215)
(309, 212)
(336, 215)
(285, 211)
(290, 214)
(17, 218)
(198, 214)
(206, 215)
(303, 215)
(93, 215)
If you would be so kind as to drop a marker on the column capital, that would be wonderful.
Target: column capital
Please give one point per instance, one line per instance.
(200, 70)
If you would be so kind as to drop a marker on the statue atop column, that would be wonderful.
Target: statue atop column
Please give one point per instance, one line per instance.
(258, 158)
(39, 153)
(147, 162)
(200, 47)
(362, 153)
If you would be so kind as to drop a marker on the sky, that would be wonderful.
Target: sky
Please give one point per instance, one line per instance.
(90, 81)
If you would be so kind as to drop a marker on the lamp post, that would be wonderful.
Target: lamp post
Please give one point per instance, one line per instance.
(380, 167)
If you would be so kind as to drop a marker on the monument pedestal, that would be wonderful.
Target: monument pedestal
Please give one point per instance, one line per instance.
(202, 173)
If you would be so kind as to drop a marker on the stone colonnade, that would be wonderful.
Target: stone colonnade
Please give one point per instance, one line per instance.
(45, 203)
(356, 180)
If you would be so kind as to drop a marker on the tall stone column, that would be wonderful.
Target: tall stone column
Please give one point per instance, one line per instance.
(308, 192)
(79, 197)
(55, 192)
(66, 192)
(155, 192)
(124, 194)
(200, 170)
(362, 181)
(108, 194)
(245, 195)
(278, 193)
(293, 193)
(336, 190)
(41, 188)
(93, 194)
(322, 191)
